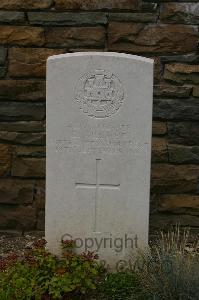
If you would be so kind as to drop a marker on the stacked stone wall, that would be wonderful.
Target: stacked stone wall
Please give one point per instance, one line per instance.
(32, 30)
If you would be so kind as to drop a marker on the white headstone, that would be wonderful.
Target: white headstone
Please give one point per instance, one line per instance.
(99, 119)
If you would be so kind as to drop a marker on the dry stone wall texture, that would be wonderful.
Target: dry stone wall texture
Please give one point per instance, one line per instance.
(166, 31)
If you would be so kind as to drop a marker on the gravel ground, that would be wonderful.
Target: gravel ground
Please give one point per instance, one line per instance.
(10, 243)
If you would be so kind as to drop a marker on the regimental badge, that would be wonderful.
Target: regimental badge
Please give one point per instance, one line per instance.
(99, 94)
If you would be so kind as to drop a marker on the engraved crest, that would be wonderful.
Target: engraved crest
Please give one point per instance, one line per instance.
(99, 94)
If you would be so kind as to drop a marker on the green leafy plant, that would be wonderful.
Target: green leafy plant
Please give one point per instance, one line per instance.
(120, 286)
(37, 273)
(68, 244)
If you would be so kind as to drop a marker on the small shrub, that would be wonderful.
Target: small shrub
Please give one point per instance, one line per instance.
(169, 269)
(37, 273)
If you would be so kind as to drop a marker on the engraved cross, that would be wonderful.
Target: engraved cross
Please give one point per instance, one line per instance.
(97, 186)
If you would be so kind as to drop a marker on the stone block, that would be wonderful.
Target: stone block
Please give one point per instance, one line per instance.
(12, 111)
(186, 133)
(133, 17)
(166, 221)
(159, 128)
(17, 217)
(67, 18)
(180, 154)
(196, 91)
(12, 17)
(172, 91)
(28, 167)
(24, 138)
(97, 5)
(182, 73)
(39, 196)
(75, 37)
(3, 54)
(2, 72)
(22, 126)
(159, 150)
(16, 191)
(168, 178)
(29, 62)
(179, 203)
(183, 13)
(30, 151)
(21, 35)
(41, 220)
(22, 90)
(176, 109)
(25, 5)
(5, 159)
(158, 38)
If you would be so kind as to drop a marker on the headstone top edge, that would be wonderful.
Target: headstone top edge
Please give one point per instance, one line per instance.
(105, 54)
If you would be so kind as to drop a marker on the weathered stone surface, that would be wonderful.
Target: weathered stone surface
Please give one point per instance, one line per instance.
(176, 109)
(28, 167)
(71, 50)
(149, 6)
(159, 128)
(186, 58)
(30, 62)
(75, 37)
(133, 17)
(12, 17)
(2, 72)
(22, 90)
(183, 154)
(181, 73)
(21, 111)
(92, 146)
(5, 159)
(157, 70)
(183, 133)
(31, 126)
(24, 138)
(27, 4)
(184, 13)
(123, 35)
(3, 53)
(179, 203)
(17, 217)
(97, 5)
(167, 178)
(196, 91)
(167, 91)
(21, 35)
(16, 191)
(160, 38)
(172, 42)
(39, 196)
(159, 150)
(31, 151)
(41, 220)
(165, 221)
(67, 18)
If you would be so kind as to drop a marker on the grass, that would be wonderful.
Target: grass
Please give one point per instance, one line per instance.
(169, 270)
